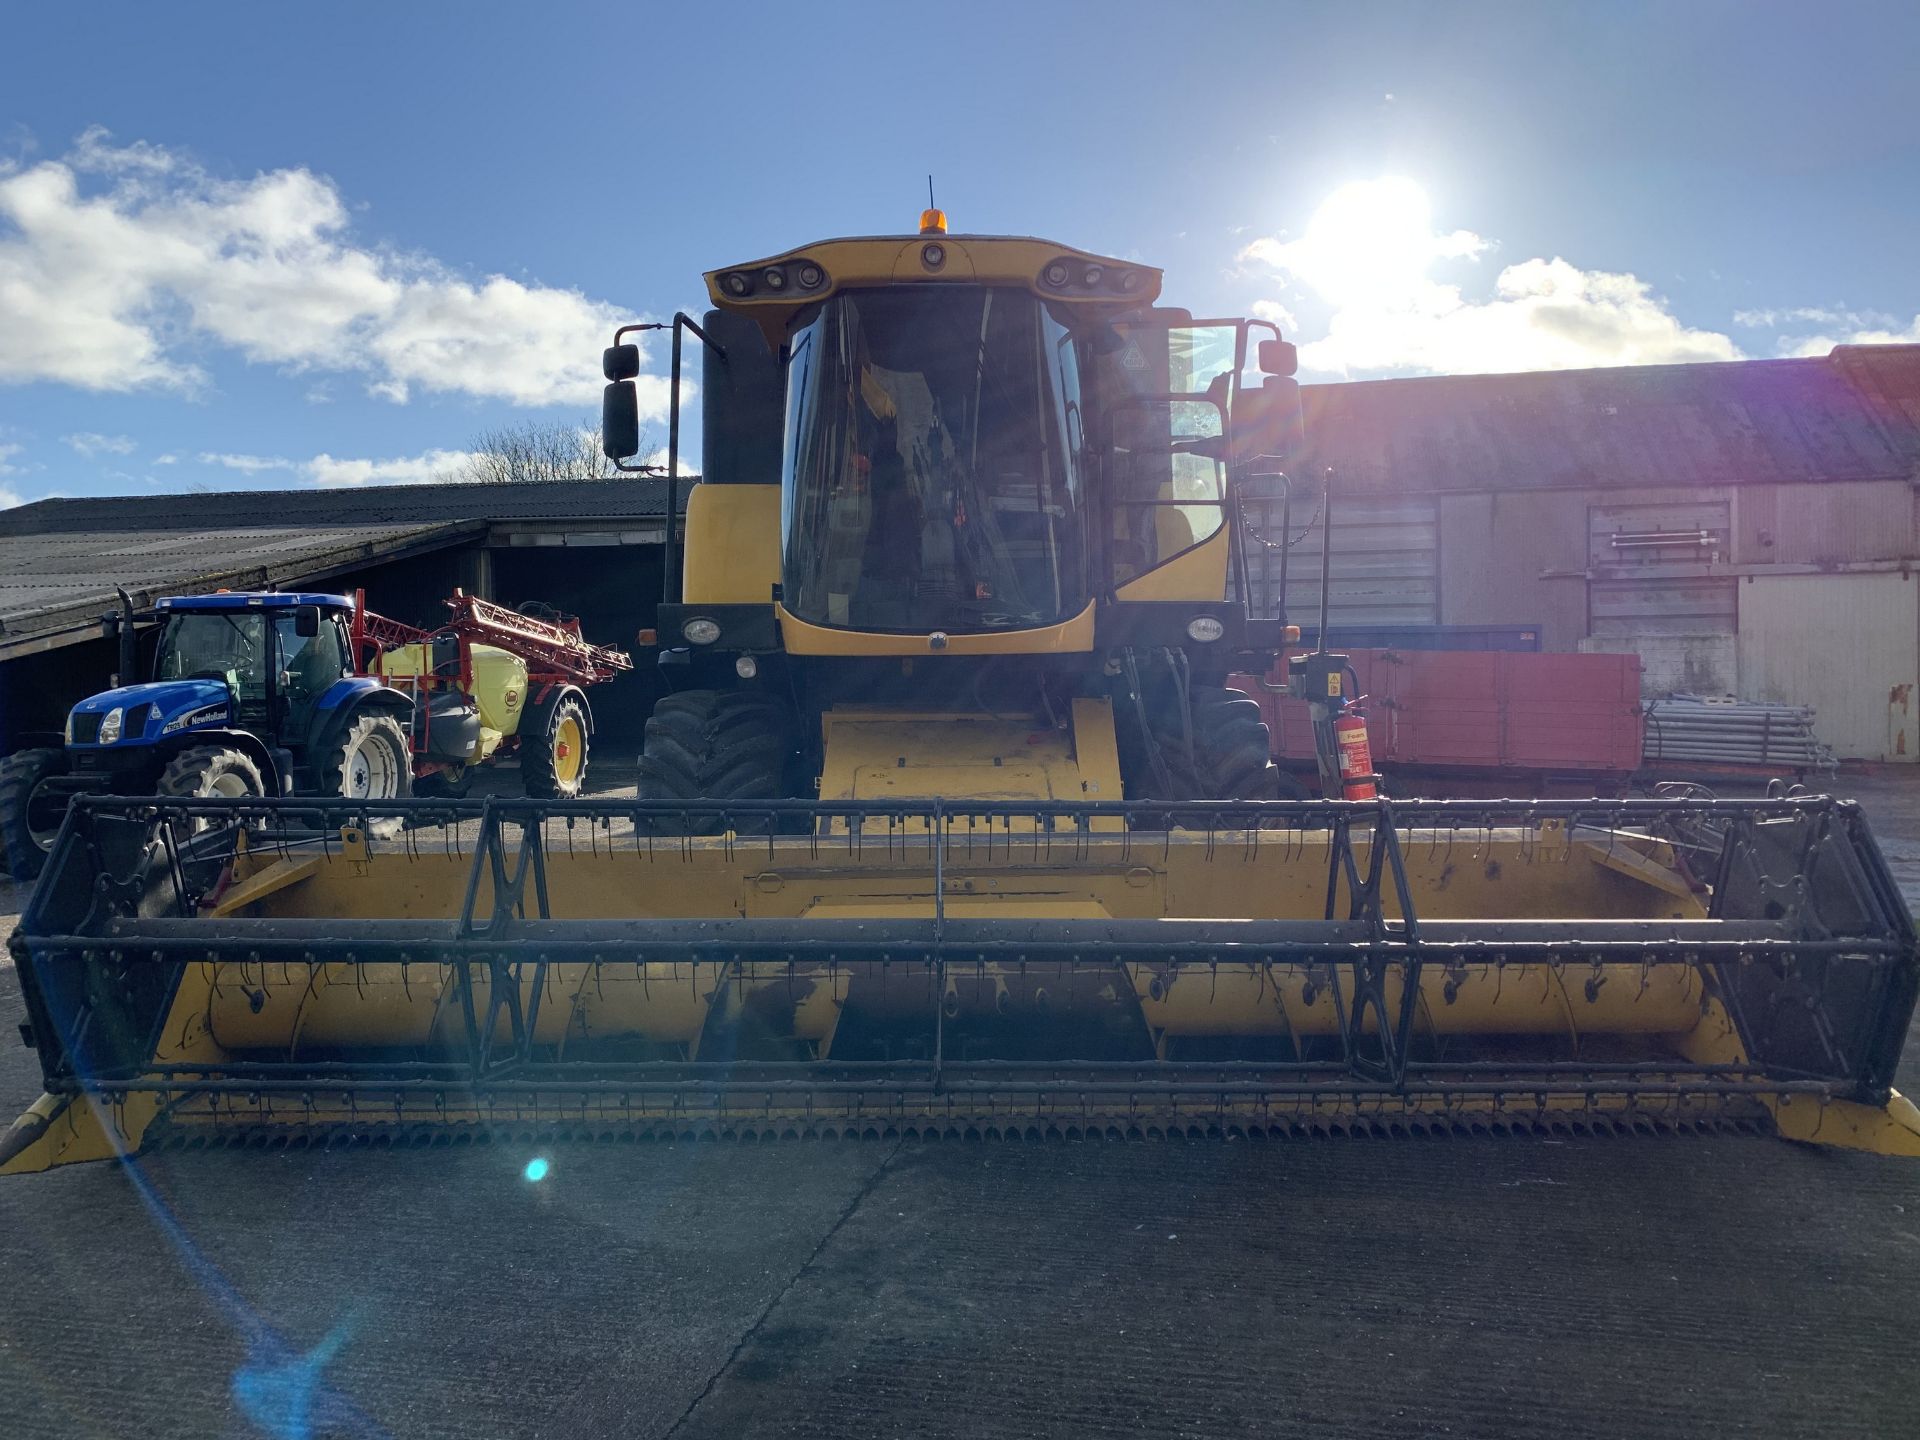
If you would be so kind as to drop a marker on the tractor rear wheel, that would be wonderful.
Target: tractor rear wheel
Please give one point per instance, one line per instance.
(369, 761)
(719, 745)
(30, 815)
(1220, 750)
(553, 761)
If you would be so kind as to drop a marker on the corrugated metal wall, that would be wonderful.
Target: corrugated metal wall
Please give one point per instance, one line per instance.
(1386, 567)
(1849, 645)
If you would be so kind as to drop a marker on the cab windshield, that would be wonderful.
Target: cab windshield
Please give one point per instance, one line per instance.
(934, 463)
(218, 644)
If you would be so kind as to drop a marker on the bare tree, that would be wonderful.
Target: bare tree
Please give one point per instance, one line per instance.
(537, 450)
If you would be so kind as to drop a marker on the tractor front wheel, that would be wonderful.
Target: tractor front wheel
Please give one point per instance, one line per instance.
(30, 812)
(553, 760)
(212, 772)
(369, 761)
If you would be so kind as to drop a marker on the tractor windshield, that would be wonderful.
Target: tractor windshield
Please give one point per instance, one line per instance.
(225, 645)
(934, 463)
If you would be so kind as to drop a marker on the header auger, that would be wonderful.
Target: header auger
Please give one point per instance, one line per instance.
(952, 823)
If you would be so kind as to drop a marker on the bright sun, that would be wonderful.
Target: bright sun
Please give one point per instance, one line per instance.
(1372, 241)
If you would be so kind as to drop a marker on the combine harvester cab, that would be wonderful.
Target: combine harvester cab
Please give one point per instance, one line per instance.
(953, 822)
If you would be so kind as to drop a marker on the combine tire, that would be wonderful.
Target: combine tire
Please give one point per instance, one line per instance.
(369, 760)
(1232, 750)
(29, 816)
(718, 745)
(553, 762)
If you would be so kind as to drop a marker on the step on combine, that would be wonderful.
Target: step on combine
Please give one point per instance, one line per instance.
(951, 823)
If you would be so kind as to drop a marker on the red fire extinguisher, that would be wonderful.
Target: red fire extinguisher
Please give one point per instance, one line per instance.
(1356, 757)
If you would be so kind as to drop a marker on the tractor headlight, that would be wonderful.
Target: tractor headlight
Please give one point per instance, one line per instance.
(1205, 628)
(110, 726)
(701, 631)
(70, 727)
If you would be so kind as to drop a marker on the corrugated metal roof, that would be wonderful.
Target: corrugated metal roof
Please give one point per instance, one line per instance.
(1889, 376)
(369, 505)
(1851, 415)
(54, 586)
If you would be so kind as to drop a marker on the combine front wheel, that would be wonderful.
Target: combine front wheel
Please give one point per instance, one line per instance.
(1223, 752)
(718, 745)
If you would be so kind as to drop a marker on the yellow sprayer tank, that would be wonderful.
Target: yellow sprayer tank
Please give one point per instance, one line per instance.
(499, 686)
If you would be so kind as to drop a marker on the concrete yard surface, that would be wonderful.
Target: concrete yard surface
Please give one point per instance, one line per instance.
(1469, 1287)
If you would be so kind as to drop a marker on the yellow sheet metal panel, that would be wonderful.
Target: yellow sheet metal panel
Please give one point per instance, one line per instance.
(1199, 573)
(872, 756)
(1073, 636)
(1097, 749)
(732, 544)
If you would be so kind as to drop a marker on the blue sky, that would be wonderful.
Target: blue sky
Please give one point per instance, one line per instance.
(332, 244)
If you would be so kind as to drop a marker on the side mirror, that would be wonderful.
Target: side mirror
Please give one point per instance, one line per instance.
(306, 621)
(620, 362)
(1279, 357)
(620, 417)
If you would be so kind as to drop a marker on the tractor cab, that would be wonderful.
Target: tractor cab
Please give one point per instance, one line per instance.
(273, 656)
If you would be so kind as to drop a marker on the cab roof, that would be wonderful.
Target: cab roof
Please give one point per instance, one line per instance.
(254, 600)
(775, 290)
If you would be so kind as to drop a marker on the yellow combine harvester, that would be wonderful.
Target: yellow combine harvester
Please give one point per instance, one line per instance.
(952, 825)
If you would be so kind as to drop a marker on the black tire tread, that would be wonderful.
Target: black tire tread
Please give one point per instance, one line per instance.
(718, 745)
(185, 776)
(537, 773)
(19, 773)
(1232, 755)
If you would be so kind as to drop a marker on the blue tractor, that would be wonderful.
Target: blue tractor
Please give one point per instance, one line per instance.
(252, 694)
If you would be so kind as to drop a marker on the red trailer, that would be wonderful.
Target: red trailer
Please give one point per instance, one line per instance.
(1483, 722)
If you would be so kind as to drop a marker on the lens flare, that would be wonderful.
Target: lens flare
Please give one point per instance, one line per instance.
(537, 1168)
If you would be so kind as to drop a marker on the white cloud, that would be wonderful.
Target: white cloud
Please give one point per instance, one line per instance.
(402, 470)
(1866, 329)
(247, 464)
(89, 444)
(7, 467)
(330, 470)
(10, 498)
(118, 261)
(1274, 311)
(1370, 252)
(166, 459)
